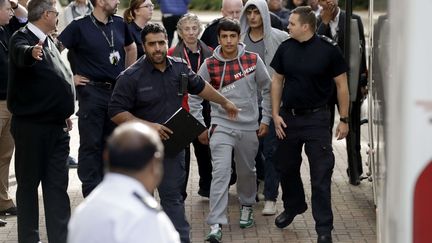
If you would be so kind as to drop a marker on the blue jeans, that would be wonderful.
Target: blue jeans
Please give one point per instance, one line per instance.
(272, 178)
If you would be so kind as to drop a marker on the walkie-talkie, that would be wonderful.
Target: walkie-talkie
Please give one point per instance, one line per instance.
(183, 84)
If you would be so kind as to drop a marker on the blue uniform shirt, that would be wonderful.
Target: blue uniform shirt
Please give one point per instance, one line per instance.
(92, 48)
(309, 68)
(150, 94)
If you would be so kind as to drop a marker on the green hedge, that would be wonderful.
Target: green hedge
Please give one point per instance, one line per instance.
(214, 5)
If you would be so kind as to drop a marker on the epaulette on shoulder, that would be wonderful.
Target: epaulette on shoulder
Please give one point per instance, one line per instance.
(150, 204)
(328, 40)
(179, 59)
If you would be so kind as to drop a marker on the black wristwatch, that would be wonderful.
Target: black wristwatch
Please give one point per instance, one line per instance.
(344, 119)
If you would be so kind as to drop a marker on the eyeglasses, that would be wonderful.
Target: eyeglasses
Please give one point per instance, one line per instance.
(149, 6)
(54, 11)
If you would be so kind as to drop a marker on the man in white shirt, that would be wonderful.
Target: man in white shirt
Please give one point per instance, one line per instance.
(122, 208)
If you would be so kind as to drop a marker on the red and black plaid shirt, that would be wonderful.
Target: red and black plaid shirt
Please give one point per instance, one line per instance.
(233, 72)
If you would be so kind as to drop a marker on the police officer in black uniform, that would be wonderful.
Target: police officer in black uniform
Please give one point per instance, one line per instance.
(151, 91)
(104, 47)
(303, 82)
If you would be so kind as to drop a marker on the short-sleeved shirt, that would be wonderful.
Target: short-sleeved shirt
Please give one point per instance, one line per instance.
(150, 94)
(90, 40)
(309, 69)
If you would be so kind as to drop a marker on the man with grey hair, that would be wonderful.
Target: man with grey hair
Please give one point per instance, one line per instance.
(41, 100)
(122, 208)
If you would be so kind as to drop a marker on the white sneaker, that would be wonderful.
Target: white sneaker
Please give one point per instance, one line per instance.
(246, 217)
(269, 208)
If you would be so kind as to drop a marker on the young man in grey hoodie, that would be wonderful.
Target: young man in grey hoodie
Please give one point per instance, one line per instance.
(260, 37)
(239, 75)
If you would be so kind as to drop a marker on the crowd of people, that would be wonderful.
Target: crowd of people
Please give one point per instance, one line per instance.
(264, 79)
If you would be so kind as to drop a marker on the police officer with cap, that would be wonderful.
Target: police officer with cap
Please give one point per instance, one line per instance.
(303, 82)
(122, 208)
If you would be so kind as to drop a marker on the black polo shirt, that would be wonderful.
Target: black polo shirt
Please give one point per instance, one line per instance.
(150, 94)
(309, 68)
(92, 50)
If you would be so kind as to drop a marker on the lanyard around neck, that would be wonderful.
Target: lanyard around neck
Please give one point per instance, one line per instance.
(188, 61)
(111, 44)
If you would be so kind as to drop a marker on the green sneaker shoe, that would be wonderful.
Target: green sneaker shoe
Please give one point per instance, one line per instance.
(215, 235)
(246, 217)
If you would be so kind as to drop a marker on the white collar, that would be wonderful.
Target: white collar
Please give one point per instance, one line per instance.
(334, 23)
(38, 32)
(130, 183)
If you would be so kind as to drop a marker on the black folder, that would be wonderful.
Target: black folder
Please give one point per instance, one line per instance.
(185, 127)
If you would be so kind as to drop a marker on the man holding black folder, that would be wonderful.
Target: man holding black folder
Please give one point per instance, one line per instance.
(151, 90)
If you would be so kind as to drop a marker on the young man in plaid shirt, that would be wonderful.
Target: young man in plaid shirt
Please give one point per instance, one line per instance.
(239, 75)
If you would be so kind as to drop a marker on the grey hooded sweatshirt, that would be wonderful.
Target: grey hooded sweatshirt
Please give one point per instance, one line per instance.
(272, 36)
(239, 80)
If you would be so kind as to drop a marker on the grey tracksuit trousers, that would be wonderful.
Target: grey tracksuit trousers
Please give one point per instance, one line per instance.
(245, 145)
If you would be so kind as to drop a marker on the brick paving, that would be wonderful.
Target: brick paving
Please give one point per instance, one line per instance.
(353, 207)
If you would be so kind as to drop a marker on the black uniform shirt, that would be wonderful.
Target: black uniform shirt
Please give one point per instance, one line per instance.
(309, 68)
(91, 48)
(150, 94)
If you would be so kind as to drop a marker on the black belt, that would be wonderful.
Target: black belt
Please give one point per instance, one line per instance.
(305, 111)
(105, 85)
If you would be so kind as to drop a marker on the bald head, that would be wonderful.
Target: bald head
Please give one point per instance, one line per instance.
(232, 8)
(133, 145)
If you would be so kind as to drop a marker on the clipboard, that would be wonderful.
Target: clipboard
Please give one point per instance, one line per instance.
(185, 127)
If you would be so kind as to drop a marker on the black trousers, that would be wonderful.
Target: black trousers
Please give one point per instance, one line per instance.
(41, 151)
(312, 132)
(202, 154)
(94, 126)
(170, 24)
(354, 115)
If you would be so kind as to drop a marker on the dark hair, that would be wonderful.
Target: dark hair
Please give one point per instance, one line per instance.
(251, 7)
(306, 16)
(290, 4)
(93, 2)
(129, 13)
(228, 24)
(153, 28)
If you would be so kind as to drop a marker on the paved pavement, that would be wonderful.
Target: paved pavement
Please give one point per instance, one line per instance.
(354, 211)
(353, 206)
